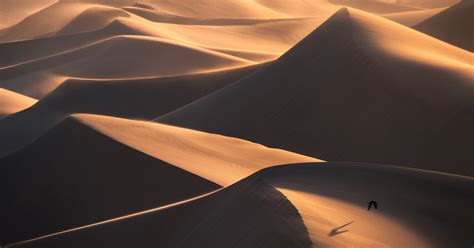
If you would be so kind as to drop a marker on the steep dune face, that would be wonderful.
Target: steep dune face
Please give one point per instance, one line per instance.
(382, 78)
(221, 159)
(11, 102)
(453, 25)
(324, 205)
(134, 98)
(409, 204)
(249, 214)
(93, 168)
(73, 176)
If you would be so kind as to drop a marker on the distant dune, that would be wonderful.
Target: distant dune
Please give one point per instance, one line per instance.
(236, 123)
(396, 118)
(133, 98)
(453, 25)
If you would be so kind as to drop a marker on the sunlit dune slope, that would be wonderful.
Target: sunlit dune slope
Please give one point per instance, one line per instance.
(119, 57)
(248, 214)
(74, 176)
(44, 22)
(91, 19)
(133, 98)
(217, 158)
(13, 11)
(453, 25)
(411, 204)
(330, 200)
(359, 88)
(120, 166)
(11, 102)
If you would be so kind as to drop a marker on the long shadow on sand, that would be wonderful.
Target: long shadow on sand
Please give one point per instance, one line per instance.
(337, 231)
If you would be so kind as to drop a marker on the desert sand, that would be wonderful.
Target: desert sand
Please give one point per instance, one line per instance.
(237, 123)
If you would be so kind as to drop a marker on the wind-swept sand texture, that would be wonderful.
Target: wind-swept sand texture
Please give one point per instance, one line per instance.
(453, 25)
(104, 167)
(322, 197)
(11, 102)
(403, 98)
(133, 98)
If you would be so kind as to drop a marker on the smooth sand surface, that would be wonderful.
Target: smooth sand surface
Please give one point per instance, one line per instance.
(453, 25)
(330, 200)
(11, 102)
(260, 82)
(133, 98)
(120, 167)
(411, 18)
(408, 98)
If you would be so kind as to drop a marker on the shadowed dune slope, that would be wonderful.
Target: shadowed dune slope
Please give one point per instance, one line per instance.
(11, 102)
(133, 98)
(128, 57)
(453, 25)
(415, 207)
(324, 196)
(359, 88)
(119, 57)
(90, 168)
(380, 7)
(248, 214)
(73, 176)
(411, 18)
(91, 19)
(220, 159)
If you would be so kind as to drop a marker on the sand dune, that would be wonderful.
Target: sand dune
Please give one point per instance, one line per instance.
(431, 4)
(134, 98)
(260, 82)
(326, 195)
(453, 25)
(75, 176)
(91, 19)
(13, 11)
(396, 118)
(119, 57)
(107, 151)
(410, 201)
(11, 102)
(43, 23)
(223, 219)
(374, 6)
(411, 18)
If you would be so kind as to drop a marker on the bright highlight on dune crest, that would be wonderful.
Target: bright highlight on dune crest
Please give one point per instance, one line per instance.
(236, 123)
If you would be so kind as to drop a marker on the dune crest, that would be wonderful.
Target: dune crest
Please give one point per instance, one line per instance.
(11, 102)
(397, 118)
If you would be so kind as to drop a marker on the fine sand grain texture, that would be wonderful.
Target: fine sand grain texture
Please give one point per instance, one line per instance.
(359, 88)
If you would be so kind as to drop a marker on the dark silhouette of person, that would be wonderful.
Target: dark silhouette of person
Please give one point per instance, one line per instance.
(374, 203)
